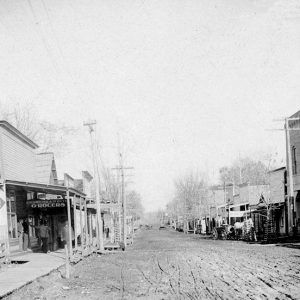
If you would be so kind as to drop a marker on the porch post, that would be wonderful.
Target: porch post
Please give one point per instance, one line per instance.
(75, 221)
(81, 233)
(90, 228)
(69, 224)
(86, 224)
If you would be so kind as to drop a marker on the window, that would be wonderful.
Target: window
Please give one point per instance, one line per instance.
(294, 161)
(282, 221)
(30, 195)
(11, 215)
(32, 230)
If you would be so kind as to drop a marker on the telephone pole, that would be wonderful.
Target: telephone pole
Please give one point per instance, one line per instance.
(123, 198)
(99, 230)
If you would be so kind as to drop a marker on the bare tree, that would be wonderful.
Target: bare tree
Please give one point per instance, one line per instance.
(111, 185)
(134, 204)
(190, 200)
(49, 136)
(245, 170)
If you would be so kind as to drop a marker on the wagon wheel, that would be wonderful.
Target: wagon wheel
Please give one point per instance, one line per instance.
(224, 234)
(215, 234)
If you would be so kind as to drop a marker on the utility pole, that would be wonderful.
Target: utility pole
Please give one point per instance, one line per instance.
(226, 202)
(91, 125)
(123, 198)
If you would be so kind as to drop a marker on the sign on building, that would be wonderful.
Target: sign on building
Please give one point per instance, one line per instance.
(53, 203)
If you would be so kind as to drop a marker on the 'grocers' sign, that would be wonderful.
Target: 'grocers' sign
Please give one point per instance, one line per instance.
(53, 203)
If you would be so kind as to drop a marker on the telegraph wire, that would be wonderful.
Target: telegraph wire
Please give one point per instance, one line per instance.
(59, 71)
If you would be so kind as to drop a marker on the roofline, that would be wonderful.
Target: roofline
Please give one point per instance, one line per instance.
(278, 169)
(66, 175)
(18, 133)
(43, 153)
(46, 187)
(87, 174)
(248, 184)
(295, 114)
(238, 204)
(219, 187)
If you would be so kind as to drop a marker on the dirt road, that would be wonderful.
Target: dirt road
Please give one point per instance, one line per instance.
(164, 264)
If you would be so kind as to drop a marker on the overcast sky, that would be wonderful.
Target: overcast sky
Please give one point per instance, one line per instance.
(188, 85)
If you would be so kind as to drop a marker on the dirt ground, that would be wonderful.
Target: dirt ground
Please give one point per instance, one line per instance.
(164, 264)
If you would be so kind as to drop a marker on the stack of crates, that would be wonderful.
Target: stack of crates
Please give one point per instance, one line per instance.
(270, 229)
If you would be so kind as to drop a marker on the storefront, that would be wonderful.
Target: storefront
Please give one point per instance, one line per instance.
(269, 221)
(237, 212)
(29, 190)
(36, 203)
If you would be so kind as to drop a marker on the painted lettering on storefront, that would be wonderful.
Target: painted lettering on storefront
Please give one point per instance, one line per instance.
(46, 203)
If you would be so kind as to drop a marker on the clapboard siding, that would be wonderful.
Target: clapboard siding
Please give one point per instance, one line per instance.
(17, 157)
(277, 186)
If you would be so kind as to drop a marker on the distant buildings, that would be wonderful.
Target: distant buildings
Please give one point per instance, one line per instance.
(273, 211)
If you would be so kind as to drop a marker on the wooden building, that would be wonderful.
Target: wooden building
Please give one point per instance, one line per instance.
(29, 190)
(295, 154)
(278, 199)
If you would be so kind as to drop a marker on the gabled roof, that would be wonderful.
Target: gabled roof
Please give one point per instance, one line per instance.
(14, 131)
(294, 123)
(295, 115)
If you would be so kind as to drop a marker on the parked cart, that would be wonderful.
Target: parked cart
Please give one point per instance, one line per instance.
(222, 232)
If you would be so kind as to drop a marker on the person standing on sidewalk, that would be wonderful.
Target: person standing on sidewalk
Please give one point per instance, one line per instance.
(20, 233)
(25, 235)
(44, 233)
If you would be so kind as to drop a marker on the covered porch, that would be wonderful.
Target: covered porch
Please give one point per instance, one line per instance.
(58, 205)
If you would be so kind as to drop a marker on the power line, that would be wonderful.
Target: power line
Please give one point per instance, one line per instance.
(65, 68)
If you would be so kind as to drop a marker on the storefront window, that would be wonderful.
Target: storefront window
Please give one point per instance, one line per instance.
(32, 230)
(12, 226)
(30, 195)
(11, 202)
(11, 215)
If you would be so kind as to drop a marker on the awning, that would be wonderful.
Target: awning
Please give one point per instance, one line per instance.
(44, 188)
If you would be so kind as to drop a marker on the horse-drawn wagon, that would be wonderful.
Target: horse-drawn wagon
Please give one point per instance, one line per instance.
(238, 231)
